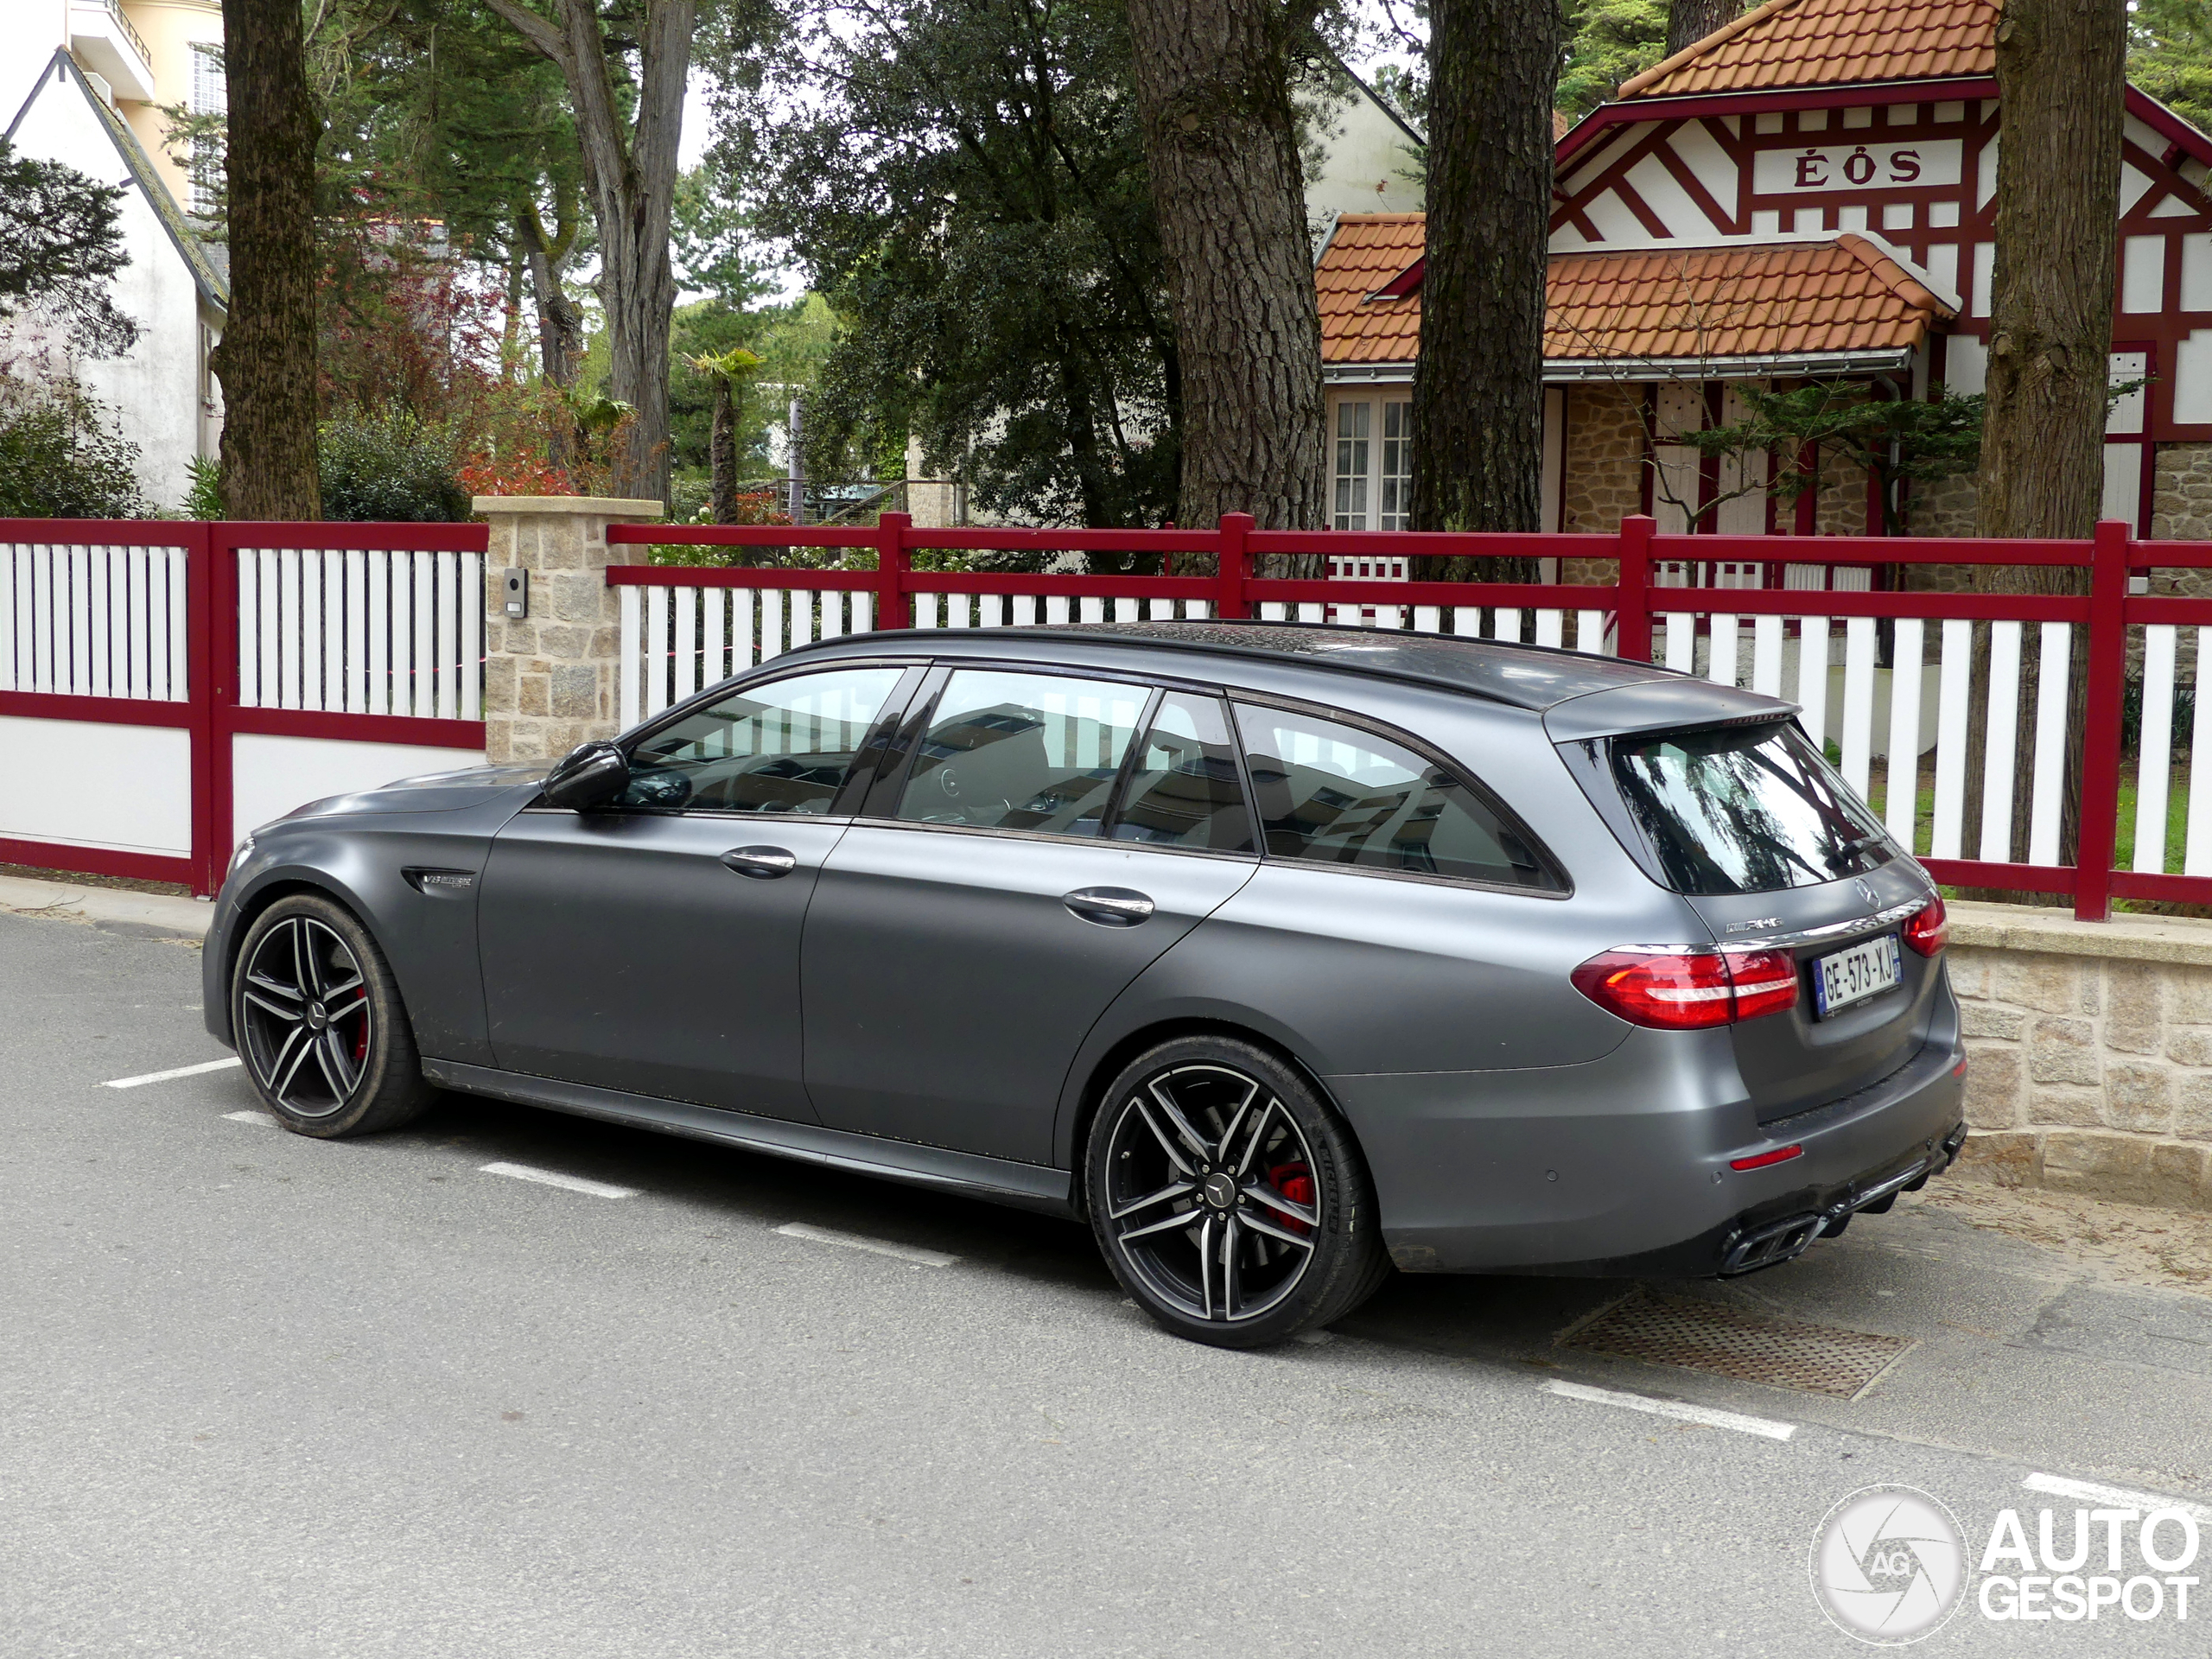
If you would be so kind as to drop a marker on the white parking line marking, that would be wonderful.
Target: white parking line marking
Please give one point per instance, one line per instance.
(907, 1253)
(263, 1119)
(181, 1071)
(2089, 1491)
(549, 1178)
(1706, 1414)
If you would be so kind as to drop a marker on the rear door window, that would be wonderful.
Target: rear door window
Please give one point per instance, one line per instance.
(1183, 789)
(1034, 752)
(1745, 809)
(1331, 793)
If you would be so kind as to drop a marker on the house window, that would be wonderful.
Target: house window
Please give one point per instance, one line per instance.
(1396, 482)
(1374, 479)
(1353, 448)
(210, 96)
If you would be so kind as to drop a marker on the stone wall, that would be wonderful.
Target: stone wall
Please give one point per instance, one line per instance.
(2089, 1052)
(1602, 471)
(551, 681)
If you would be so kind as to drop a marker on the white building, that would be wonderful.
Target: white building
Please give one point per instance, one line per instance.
(99, 71)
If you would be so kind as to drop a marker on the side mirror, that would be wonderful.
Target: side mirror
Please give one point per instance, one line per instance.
(591, 774)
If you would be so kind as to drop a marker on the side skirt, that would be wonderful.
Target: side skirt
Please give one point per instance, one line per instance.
(1025, 1186)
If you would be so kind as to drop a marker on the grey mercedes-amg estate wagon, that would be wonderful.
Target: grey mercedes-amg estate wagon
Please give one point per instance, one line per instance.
(1278, 954)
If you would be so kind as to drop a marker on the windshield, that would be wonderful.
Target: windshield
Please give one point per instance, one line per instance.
(1745, 809)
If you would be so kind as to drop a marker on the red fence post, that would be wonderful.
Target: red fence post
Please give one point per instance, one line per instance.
(200, 658)
(2106, 669)
(1233, 566)
(891, 567)
(1632, 620)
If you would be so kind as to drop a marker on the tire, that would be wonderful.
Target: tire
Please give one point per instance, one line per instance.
(319, 1023)
(1281, 1235)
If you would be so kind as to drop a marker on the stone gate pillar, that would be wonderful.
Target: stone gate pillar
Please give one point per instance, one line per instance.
(551, 680)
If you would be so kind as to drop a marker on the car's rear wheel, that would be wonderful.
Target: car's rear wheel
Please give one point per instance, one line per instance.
(319, 1025)
(1229, 1201)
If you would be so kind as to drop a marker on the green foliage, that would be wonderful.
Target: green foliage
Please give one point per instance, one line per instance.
(203, 496)
(713, 243)
(60, 242)
(391, 468)
(61, 456)
(1899, 439)
(1608, 40)
(2170, 55)
(967, 186)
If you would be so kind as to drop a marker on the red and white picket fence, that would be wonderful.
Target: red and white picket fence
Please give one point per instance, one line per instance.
(1814, 640)
(166, 686)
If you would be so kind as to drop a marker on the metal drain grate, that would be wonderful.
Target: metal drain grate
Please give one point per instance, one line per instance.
(1699, 1336)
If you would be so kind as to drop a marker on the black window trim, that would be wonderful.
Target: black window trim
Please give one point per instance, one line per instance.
(1429, 751)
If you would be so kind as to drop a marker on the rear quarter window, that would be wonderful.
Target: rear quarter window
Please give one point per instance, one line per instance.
(1745, 809)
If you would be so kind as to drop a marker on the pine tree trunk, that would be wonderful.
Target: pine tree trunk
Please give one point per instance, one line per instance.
(1689, 22)
(266, 359)
(629, 168)
(722, 453)
(1478, 402)
(2061, 71)
(1220, 137)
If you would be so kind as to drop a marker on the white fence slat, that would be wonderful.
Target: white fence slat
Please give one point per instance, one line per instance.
(1550, 627)
(9, 610)
(1682, 642)
(1429, 619)
(925, 611)
(2155, 755)
(1467, 619)
(1953, 692)
(449, 611)
(1196, 610)
(1092, 610)
(1858, 741)
(426, 639)
(2047, 778)
(958, 611)
(631, 662)
(863, 613)
(1059, 609)
(990, 610)
(291, 623)
(1025, 610)
(771, 623)
(1590, 633)
(2196, 854)
(1505, 624)
(1813, 678)
(357, 631)
(137, 678)
(1904, 781)
(1721, 662)
(1274, 611)
(655, 657)
(686, 657)
(99, 615)
(333, 630)
(742, 629)
(44, 625)
(1389, 616)
(380, 568)
(1766, 654)
(1125, 610)
(79, 679)
(262, 644)
(1163, 610)
(472, 636)
(714, 666)
(2000, 740)
(178, 663)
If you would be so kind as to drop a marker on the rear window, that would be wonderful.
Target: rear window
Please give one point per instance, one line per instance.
(1745, 809)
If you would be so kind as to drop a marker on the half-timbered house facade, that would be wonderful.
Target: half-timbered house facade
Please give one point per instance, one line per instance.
(1807, 192)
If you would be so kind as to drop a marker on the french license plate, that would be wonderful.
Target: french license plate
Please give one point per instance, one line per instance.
(1867, 969)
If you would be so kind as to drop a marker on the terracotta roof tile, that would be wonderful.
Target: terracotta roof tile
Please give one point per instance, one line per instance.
(1830, 43)
(1843, 294)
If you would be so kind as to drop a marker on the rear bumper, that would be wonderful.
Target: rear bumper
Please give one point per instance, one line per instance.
(1622, 1167)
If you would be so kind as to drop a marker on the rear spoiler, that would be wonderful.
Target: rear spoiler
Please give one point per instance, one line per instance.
(1675, 703)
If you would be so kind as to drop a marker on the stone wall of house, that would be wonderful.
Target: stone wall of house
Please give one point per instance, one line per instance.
(2089, 1053)
(1602, 471)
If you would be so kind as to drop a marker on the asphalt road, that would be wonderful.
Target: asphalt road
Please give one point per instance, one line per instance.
(262, 1396)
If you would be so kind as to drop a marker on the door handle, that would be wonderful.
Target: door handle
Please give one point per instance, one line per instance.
(761, 863)
(1109, 906)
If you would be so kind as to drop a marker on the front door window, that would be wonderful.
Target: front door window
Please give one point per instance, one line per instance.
(1031, 752)
(786, 747)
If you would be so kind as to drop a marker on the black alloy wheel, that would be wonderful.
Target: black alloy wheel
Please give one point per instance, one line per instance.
(319, 1023)
(1229, 1201)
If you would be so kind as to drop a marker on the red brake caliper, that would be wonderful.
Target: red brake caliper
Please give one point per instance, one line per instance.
(361, 1034)
(1294, 1182)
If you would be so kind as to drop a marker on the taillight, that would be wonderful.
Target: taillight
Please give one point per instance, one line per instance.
(1927, 930)
(1687, 988)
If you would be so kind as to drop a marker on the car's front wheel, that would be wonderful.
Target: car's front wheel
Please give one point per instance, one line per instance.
(319, 1023)
(1229, 1200)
